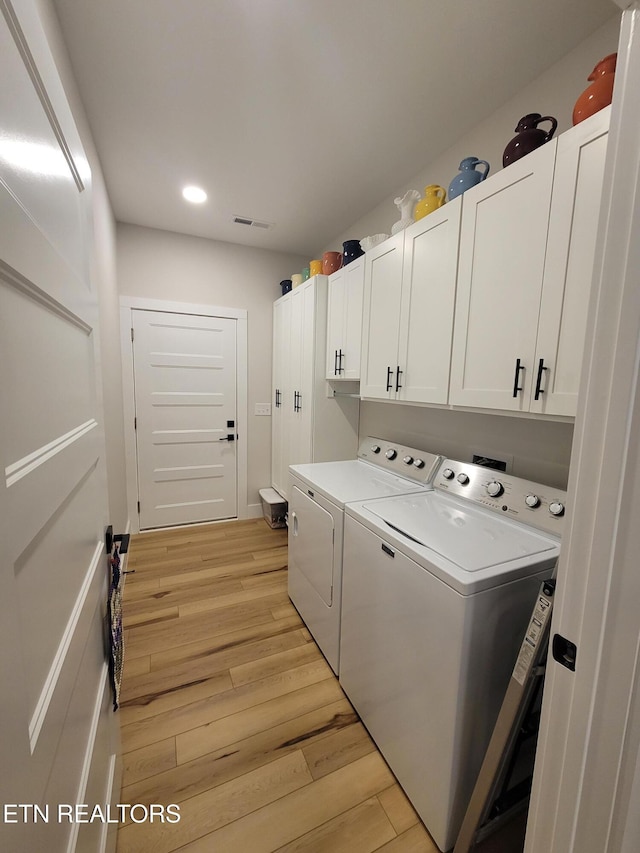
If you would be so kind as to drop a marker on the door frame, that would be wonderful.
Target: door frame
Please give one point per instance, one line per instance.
(128, 304)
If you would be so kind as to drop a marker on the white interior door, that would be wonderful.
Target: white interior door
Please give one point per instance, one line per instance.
(185, 405)
(57, 741)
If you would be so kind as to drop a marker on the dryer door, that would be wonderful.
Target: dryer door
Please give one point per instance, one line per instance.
(311, 542)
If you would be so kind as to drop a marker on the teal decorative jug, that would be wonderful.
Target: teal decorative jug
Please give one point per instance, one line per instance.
(467, 177)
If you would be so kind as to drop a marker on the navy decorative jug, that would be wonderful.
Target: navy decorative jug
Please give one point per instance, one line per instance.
(467, 177)
(351, 249)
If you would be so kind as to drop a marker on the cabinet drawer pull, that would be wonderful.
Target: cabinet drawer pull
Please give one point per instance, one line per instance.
(389, 375)
(340, 357)
(541, 369)
(517, 387)
(388, 550)
(335, 364)
(398, 375)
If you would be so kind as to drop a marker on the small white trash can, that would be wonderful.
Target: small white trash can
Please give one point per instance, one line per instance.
(274, 508)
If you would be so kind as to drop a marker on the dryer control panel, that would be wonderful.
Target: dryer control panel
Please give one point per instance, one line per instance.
(526, 501)
(418, 465)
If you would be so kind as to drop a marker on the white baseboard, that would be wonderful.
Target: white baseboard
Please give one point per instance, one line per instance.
(254, 510)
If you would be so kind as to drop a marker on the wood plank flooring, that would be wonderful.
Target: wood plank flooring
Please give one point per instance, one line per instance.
(229, 710)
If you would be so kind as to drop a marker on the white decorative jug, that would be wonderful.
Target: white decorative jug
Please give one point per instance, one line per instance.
(405, 206)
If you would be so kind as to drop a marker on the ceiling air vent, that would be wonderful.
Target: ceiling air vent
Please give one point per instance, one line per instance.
(255, 223)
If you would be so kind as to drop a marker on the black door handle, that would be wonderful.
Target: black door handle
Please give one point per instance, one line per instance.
(517, 387)
(398, 375)
(340, 357)
(541, 369)
(335, 364)
(229, 437)
(389, 375)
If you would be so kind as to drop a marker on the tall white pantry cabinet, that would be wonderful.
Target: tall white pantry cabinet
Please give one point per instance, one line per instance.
(308, 424)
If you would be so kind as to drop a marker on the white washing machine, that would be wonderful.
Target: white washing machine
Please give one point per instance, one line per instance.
(317, 497)
(438, 589)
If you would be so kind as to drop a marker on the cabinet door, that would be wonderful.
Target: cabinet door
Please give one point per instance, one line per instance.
(382, 286)
(336, 311)
(502, 248)
(575, 207)
(428, 301)
(301, 366)
(352, 336)
(281, 397)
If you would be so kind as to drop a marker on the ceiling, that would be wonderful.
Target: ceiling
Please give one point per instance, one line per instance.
(303, 114)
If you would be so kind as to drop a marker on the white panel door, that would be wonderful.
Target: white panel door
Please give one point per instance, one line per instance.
(185, 399)
(573, 226)
(57, 732)
(282, 395)
(383, 282)
(502, 248)
(428, 300)
(354, 302)
(336, 311)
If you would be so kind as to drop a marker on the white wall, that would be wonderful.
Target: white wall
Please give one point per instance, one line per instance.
(540, 449)
(163, 265)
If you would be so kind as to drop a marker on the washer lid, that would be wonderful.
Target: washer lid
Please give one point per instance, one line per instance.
(471, 539)
(352, 480)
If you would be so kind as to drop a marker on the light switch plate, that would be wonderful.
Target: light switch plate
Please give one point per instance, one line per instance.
(262, 409)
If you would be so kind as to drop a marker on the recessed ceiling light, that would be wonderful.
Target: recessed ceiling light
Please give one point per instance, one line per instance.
(194, 195)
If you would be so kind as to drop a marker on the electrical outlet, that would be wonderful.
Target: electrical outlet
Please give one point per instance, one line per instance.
(262, 409)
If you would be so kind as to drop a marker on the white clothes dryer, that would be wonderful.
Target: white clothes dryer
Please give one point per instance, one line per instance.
(317, 497)
(438, 588)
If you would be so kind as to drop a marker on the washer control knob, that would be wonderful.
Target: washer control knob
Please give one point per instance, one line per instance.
(408, 460)
(556, 508)
(495, 488)
(418, 463)
(448, 474)
(375, 448)
(463, 479)
(532, 501)
(391, 453)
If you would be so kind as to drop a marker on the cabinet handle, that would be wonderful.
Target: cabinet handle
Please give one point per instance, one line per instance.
(335, 364)
(541, 369)
(277, 398)
(389, 375)
(299, 409)
(398, 375)
(295, 401)
(517, 387)
(340, 357)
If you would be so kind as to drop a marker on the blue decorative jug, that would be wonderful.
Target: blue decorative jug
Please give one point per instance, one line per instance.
(467, 177)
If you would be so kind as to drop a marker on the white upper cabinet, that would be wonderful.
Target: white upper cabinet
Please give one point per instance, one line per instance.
(344, 323)
(526, 263)
(410, 285)
(502, 250)
(573, 224)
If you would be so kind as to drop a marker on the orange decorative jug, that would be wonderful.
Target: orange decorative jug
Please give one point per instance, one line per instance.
(434, 197)
(598, 95)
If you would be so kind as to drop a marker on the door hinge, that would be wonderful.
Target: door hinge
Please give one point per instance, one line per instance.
(132, 334)
(138, 507)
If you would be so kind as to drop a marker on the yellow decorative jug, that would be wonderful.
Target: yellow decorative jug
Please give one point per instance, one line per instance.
(434, 197)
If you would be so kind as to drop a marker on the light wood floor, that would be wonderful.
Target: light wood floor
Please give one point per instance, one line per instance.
(229, 710)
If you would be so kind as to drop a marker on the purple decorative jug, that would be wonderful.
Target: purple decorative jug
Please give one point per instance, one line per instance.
(529, 137)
